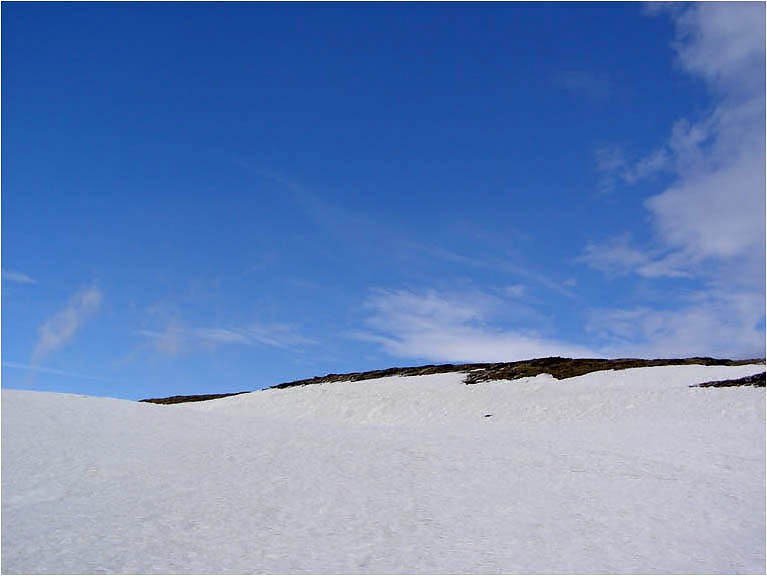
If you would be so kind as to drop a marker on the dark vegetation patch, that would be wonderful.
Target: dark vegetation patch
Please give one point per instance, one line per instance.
(193, 398)
(756, 380)
(372, 374)
(559, 368)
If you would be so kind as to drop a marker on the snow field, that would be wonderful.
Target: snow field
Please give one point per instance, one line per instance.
(612, 472)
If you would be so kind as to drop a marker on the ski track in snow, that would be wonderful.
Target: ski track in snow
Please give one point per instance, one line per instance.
(612, 472)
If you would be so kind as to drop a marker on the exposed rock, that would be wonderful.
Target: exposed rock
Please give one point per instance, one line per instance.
(756, 380)
(559, 368)
(193, 398)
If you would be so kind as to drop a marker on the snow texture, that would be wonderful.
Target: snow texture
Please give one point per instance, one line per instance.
(613, 472)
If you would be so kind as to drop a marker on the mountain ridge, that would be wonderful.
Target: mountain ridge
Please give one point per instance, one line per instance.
(559, 367)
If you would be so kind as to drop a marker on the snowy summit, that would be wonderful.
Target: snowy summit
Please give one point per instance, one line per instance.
(615, 471)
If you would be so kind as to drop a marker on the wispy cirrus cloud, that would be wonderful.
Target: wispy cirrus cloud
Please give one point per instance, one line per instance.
(169, 341)
(358, 229)
(53, 371)
(17, 277)
(709, 223)
(619, 256)
(446, 327)
(176, 338)
(220, 336)
(497, 264)
(61, 328)
(615, 168)
(595, 87)
(709, 323)
(515, 290)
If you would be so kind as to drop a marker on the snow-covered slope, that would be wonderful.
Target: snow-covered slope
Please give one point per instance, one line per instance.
(627, 471)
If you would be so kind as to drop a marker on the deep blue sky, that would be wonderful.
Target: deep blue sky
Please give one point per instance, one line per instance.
(203, 197)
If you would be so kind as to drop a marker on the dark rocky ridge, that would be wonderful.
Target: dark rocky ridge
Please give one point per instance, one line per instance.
(559, 368)
(756, 380)
(192, 398)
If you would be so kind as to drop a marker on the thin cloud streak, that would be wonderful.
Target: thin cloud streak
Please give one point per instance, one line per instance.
(594, 87)
(356, 226)
(62, 327)
(618, 256)
(175, 338)
(54, 371)
(495, 264)
(615, 168)
(17, 277)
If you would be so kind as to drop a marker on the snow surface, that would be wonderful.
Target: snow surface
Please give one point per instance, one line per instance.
(613, 472)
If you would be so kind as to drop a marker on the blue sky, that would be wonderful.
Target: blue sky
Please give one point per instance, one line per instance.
(207, 197)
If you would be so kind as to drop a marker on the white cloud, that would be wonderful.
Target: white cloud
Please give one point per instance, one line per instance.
(710, 324)
(62, 327)
(452, 328)
(716, 208)
(709, 224)
(723, 42)
(17, 277)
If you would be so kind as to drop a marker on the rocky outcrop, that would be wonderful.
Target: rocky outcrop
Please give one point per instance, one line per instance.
(192, 398)
(559, 368)
(756, 380)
